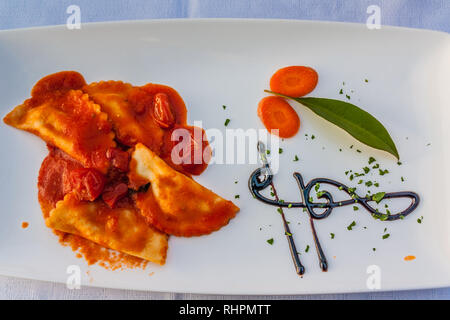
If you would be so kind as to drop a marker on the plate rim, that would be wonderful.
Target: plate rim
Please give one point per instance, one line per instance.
(227, 20)
(222, 20)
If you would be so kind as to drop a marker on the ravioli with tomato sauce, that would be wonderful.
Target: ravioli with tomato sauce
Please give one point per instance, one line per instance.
(175, 203)
(87, 187)
(65, 117)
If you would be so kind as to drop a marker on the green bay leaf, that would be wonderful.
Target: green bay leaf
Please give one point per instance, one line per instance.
(358, 123)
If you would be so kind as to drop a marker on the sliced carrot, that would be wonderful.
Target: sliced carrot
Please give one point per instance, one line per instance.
(295, 81)
(276, 113)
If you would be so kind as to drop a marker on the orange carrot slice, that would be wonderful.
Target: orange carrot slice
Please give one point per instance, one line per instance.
(295, 81)
(276, 113)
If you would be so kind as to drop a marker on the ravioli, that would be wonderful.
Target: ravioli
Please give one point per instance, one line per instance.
(175, 203)
(130, 109)
(121, 229)
(65, 117)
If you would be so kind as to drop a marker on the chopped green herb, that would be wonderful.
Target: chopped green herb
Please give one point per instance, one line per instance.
(227, 121)
(288, 234)
(366, 81)
(372, 160)
(268, 151)
(383, 172)
(332, 235)
(296, 158)
(359, 151)
(351, 177)
(270, 241)
(313, 137)
(280, 211)
(237, 196)
(355, 208)
(399, 163)
(351, 190)
(385, 236)
(351, 225)
(224, 107)
(403, 179)
(377, 197)
(420, 220)
(317, 187)
(236, 182)
(341, 91)
(347, 96)
(360, 181)
(376, 184)
(369, 183)
(366, 170)
(290, 205)
(307, 248)
(320, 193)
(376, 166)
(374, 249)
(280, 150)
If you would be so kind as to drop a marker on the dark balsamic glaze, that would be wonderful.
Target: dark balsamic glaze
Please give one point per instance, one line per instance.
(262, 178)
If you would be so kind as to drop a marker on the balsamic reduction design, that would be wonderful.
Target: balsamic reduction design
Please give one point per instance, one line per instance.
(262, 178)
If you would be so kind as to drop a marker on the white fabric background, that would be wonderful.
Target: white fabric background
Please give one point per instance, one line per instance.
(428, 14)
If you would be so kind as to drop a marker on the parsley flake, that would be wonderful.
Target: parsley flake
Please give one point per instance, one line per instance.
(351, 225)
(377, 197)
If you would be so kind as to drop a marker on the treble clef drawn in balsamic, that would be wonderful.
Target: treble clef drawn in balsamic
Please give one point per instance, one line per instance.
(262, 178)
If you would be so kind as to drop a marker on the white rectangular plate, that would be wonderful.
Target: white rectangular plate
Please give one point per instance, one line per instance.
(229, 62)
